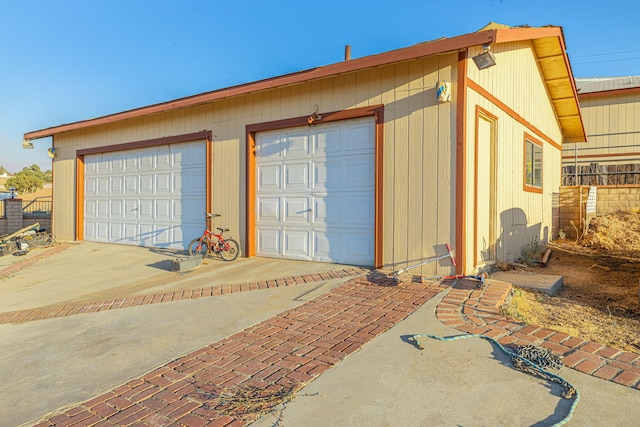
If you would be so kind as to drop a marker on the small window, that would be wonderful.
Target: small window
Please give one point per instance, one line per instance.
(532, 164)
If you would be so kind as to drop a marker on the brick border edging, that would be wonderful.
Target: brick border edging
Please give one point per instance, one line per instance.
(477, 311)
(63, 310)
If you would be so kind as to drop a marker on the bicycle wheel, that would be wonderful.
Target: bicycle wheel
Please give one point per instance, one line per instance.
(199, 246)
(230, 251)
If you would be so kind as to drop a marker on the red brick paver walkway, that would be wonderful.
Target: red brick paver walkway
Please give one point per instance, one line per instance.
(477, 311)
(283, 352)
(298, 345)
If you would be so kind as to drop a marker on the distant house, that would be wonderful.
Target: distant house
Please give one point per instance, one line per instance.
(377, 161)
(611, 113)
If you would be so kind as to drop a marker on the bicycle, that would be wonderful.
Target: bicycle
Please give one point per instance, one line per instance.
(210, 242)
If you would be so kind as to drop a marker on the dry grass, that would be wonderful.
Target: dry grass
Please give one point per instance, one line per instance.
(573, 318)
(599, 300)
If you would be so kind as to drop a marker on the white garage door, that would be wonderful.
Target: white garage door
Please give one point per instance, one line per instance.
(152, 197)
(315, 193)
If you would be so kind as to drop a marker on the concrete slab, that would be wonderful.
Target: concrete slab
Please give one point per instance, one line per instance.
(547, 283)
(465, 382)
(90, 271)
(49, 364)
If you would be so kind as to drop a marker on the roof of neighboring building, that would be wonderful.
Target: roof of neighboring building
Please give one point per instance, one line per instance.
(548, 43)
(606, 84)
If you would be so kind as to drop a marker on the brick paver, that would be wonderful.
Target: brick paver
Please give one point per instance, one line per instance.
(469, 309)
(296, 346)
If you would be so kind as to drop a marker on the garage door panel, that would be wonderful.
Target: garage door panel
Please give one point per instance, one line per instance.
(176, 209)
(91, 186)
(91, 165)
(131, 210)
(131, 185)
(358, 211)
(103, 186)
(326, 246)
(268, 243)
(327, 141)
(116, 164)
(269, 178)
(131, 231)
(327, 174)
(146, 160)
(163, 235)
(296, 145)
(296, 244)
(146, 209)
(117, 208)
(90, 208)
(146, 235)
(270, 148)
(162, 182)
(358, 247)
(162, 210)
(268, 209)
(296, 210)
(327, 210)
(116, 232)
(146, 183)
(162, 159)
(360, 137)
(102, 231)
(103, 208)
(116, 184)
(297, 177)
(131, 164)
(358, 173)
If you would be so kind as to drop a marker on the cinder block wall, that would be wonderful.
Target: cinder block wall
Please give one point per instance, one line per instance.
(13, 219)
(613, 199)
(610, 199)
(573, 201)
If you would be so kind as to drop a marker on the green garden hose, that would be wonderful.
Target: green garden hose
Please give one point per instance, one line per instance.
(521, 363)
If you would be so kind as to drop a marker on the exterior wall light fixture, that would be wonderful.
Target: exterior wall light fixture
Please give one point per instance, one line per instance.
(485, 59)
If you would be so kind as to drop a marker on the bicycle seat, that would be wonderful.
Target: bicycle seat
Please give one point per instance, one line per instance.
(222, 230)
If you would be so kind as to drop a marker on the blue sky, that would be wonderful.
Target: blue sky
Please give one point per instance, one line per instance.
(69, 60)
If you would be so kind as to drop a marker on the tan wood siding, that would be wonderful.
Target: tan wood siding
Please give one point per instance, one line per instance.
(612, 123)
(522, 105)
(418, 181)
(517, 81)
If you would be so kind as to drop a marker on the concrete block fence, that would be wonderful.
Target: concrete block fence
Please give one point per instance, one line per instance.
(14, 220)
(610, 199)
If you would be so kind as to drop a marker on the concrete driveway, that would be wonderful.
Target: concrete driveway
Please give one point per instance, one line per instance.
(116, 363)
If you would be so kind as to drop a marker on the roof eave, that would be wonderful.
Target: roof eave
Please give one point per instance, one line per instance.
(416, 51)
(429, 48)
(556, 69)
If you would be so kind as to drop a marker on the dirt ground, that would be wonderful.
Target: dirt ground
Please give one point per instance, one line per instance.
(599, 299)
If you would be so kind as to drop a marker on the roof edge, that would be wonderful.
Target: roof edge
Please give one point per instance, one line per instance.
(610, 92)
(428, 48)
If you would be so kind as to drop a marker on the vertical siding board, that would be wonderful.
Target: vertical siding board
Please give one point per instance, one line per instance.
(446, 204)
(327, 95)
(401, 175)
(349, 99)
(415, 215)
(387, 98)
(430, 196)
